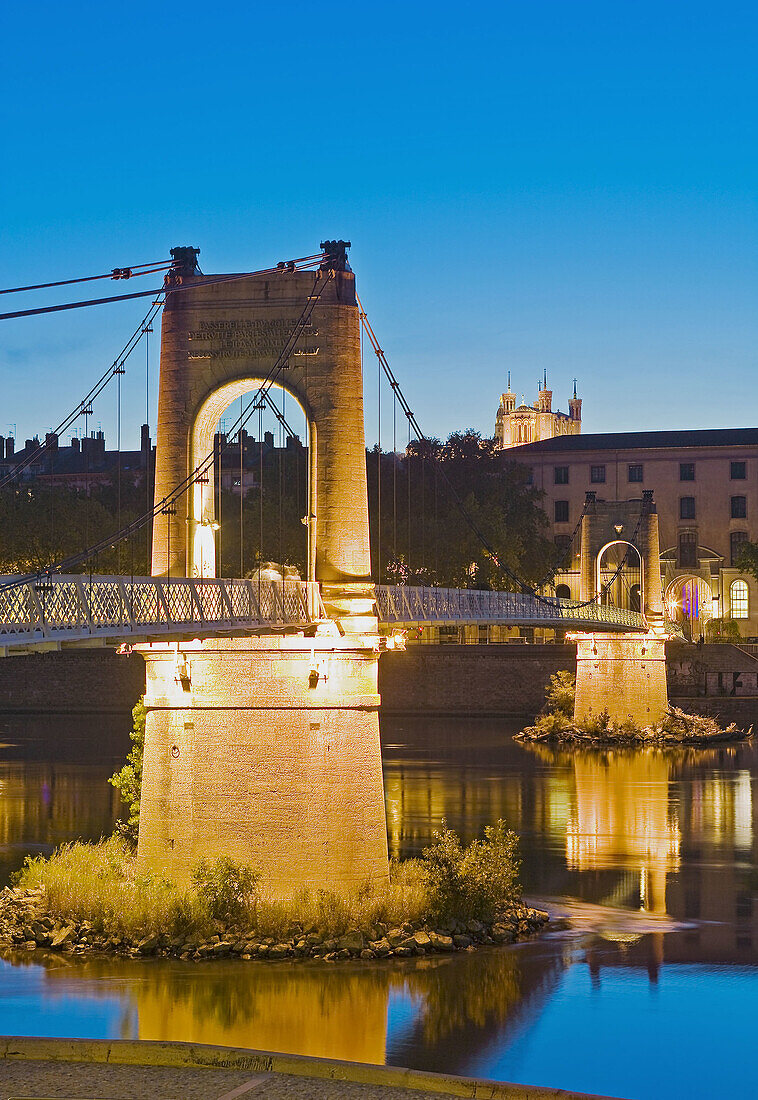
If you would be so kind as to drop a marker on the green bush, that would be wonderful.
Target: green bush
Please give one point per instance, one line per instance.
(560, 693)
(104, 884)
(722, 630)
(473, 883)
(227, 889)
(128, 781)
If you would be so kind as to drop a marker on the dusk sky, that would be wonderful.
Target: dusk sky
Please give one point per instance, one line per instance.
(569, 186)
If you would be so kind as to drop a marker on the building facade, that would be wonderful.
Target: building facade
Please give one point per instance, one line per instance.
(705, 486)
(517, 425)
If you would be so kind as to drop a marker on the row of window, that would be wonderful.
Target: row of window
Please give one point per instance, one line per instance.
(687, 548)
(737, 507)
(687, 509)
(635, 473)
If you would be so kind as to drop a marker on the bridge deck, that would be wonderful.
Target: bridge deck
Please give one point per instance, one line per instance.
(83, 610)
(405, 606)
(66, 610)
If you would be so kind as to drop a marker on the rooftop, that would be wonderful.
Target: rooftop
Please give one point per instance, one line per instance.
(636, 441)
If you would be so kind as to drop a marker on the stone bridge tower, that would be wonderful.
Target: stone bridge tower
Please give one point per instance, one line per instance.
(266, 749)
(219, 340)
(624, 674)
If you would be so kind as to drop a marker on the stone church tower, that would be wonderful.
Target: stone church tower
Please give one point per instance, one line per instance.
(519, 424)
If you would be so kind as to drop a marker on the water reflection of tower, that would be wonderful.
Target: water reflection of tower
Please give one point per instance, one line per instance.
(623, 821)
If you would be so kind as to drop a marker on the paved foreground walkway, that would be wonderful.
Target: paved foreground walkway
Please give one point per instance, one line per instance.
(82, 1069)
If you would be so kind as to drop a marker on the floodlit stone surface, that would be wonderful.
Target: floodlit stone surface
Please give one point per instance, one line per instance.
(218, 342)
(624, 674)
(253, 763)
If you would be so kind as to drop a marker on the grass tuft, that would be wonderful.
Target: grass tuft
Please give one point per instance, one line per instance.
(100, 884)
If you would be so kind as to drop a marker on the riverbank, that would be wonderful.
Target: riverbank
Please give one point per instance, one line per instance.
(502, 680)
(27, 926)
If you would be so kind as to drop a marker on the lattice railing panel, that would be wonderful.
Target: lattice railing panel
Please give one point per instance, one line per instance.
(405, 604)
(80, 607)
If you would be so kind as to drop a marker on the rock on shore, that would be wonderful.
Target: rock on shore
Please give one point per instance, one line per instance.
(26, 925)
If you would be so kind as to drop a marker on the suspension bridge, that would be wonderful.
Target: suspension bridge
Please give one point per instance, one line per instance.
(262, 735)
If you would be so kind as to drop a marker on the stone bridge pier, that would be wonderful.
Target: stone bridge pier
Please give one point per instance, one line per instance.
(624, 674)
(266, 749)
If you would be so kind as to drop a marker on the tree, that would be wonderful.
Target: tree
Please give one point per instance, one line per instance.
(419, 535)
(747, 560)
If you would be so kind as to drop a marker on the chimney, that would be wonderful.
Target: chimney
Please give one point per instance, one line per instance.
(51, 442)
(268, 439)
(10, 446)
(75, 446)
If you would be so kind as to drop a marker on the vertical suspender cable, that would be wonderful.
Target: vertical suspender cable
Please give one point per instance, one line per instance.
(220, 468)
(281, 482)
(378, 465)
(147, 329)
(436, 532)
(118, 460)
(242, 494)
(408, 476)
(394, 478)
(260, 478)
(423, 510)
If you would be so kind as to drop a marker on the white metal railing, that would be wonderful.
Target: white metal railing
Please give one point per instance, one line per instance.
(64, 608)
(401, 604)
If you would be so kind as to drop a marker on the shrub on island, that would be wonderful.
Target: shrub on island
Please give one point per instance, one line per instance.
(95, 897)
(556, 723)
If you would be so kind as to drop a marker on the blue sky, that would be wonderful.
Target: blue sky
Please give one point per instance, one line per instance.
(526, 185)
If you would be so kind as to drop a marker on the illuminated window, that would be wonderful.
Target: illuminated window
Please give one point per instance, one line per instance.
(686, 471)
(739, 507)
(561, 511)
(737, 540)
(561, 475)
(597, 475)
(738, 600)
(635, 473)
(737, 471)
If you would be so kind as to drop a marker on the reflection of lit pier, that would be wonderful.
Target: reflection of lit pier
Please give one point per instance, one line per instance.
(623, 819)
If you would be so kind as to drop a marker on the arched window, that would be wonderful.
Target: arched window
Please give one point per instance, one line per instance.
(738, 600)
(563, 592)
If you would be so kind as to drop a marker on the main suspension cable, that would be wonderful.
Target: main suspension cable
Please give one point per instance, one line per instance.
(303, 264)
(144, 327)
(84, 407)
(115, 273)
(201, 470)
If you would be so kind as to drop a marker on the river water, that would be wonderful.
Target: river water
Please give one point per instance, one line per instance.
(645, 991)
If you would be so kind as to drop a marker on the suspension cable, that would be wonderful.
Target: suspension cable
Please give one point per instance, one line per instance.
(523, 585)
(170, 499)
(115, 273)
(303, 264)
(85, 404)
(143, 329)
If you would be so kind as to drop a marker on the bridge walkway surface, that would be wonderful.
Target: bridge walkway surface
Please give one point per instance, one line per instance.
(82, 1069)
(64, 611)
